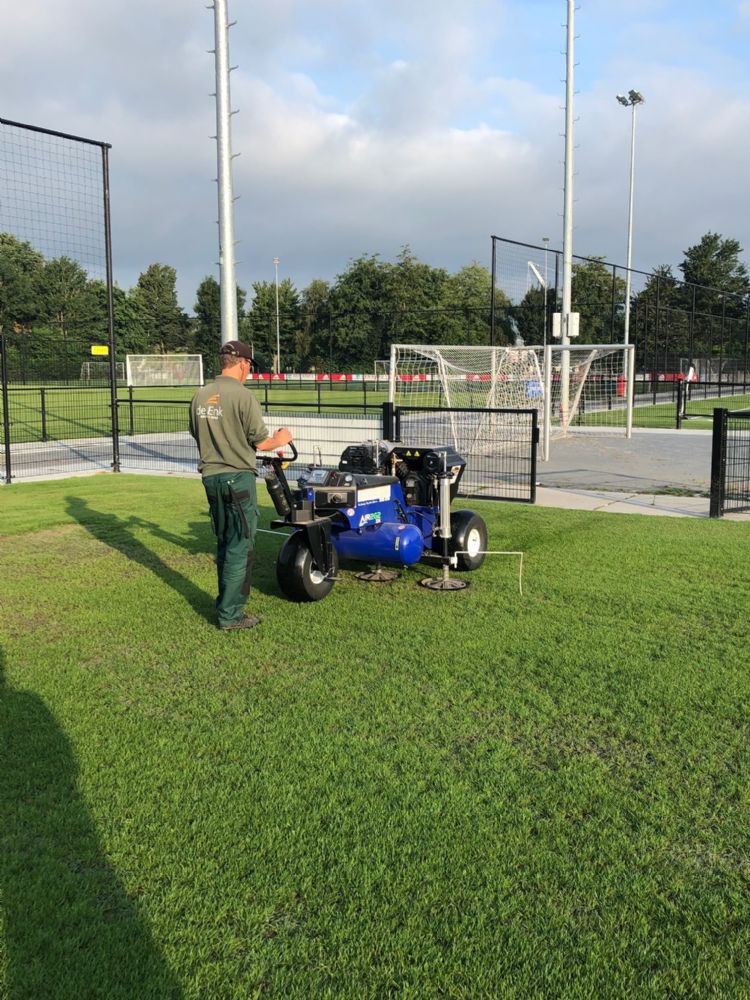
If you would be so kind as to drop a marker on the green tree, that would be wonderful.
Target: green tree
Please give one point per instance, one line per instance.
(529, 316)
(594, 289)
(412, 304)
(261, 321)
(66, 298)
(207, 324)
(208, 317)
(165, 324)
(466, 299)
(314, 342)
(130, 336)
(714, 266)
(360, 313)
(21, 269)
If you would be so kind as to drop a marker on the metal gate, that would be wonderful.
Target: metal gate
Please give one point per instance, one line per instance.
(499, 446)
(730, 462)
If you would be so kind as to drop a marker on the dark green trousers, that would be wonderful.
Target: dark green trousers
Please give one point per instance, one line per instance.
(232, 500)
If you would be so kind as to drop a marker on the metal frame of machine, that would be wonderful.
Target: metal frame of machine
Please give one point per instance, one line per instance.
(385, 503)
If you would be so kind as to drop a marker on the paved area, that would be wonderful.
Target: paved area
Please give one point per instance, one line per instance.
(649, 461)
(645, 474)
(615, 502)
(609, 473)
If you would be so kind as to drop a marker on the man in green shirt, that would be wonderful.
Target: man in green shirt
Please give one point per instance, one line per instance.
(228, 427)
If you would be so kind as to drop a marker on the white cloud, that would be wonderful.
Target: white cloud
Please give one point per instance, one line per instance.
(365, 126)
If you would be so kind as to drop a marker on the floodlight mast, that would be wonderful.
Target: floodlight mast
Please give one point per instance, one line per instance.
(567, 218)
(227, 273)
(633, 99)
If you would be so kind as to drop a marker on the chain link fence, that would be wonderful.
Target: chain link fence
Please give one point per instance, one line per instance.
(56, 312)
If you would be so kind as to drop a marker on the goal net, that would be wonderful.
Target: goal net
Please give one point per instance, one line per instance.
(465, 377)
(588, 387)
(476, 380)
(164, 369)
(382, 373)
(99, 372)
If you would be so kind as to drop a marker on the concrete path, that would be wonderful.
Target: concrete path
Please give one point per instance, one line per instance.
(603, 473)
(648, 461)
(629, 503)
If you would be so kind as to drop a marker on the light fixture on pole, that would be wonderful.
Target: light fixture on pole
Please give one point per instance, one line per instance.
(276, 263)
(632, 101)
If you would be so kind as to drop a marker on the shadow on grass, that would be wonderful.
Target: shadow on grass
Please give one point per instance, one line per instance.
(70, 929)
(118, 534)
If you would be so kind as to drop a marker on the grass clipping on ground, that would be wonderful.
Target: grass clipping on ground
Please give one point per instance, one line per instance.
(391, 793)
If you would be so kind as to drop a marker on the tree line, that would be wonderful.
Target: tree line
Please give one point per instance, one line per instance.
(700, 313)
(347, 324)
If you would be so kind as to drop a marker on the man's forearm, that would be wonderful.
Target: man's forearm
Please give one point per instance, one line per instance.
(277, 440)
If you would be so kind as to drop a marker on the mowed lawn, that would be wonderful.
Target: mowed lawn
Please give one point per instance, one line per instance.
(392, 793)
(39, 413)
(52, 413)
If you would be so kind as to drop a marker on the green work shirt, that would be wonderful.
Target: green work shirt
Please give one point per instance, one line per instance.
(226, 422)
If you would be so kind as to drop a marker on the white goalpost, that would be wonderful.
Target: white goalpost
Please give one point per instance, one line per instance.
(473, 379)
(465, 377)
(164, 369)
(382, 371)
(100, 371)
(596, 396)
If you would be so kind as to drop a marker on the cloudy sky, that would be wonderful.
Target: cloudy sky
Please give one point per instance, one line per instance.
(364, 125)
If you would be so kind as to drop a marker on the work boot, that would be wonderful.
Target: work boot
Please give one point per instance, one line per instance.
(247, 621)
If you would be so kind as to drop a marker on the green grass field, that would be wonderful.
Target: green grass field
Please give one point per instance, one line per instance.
(393, 793)
(79, 413)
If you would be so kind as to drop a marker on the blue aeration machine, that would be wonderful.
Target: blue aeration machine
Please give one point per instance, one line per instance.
(385, 503)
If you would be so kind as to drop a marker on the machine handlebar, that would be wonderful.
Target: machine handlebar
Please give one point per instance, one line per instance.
(270, 459)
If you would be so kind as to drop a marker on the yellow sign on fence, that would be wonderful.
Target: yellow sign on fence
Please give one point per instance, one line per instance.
(100, 349)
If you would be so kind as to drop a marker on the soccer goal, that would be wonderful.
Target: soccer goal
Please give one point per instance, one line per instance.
(484, 380)
(588, 388)
(164, 369)
(465, 377)
(99, 372)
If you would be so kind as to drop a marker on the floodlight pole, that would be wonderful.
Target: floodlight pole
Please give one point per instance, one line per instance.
(276, 262)
(227, 276)
(567, 219)
(632, 101)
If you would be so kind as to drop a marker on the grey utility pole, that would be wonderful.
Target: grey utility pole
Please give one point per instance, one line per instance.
(227, 277)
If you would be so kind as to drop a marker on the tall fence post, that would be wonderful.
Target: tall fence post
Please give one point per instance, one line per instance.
(110, 311)
(6, 412)
(680, 404)
(534, 446)
(718, 462)
(43, 401)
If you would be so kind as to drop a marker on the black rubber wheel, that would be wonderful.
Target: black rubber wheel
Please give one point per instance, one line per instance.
(468, 536)
(298, 576)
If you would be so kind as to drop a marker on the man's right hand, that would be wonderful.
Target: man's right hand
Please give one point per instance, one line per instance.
(282, 436)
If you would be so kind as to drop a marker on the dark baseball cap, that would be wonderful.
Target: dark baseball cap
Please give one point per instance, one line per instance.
(236, 349)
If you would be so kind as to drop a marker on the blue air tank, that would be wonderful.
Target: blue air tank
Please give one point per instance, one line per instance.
(389, 543)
